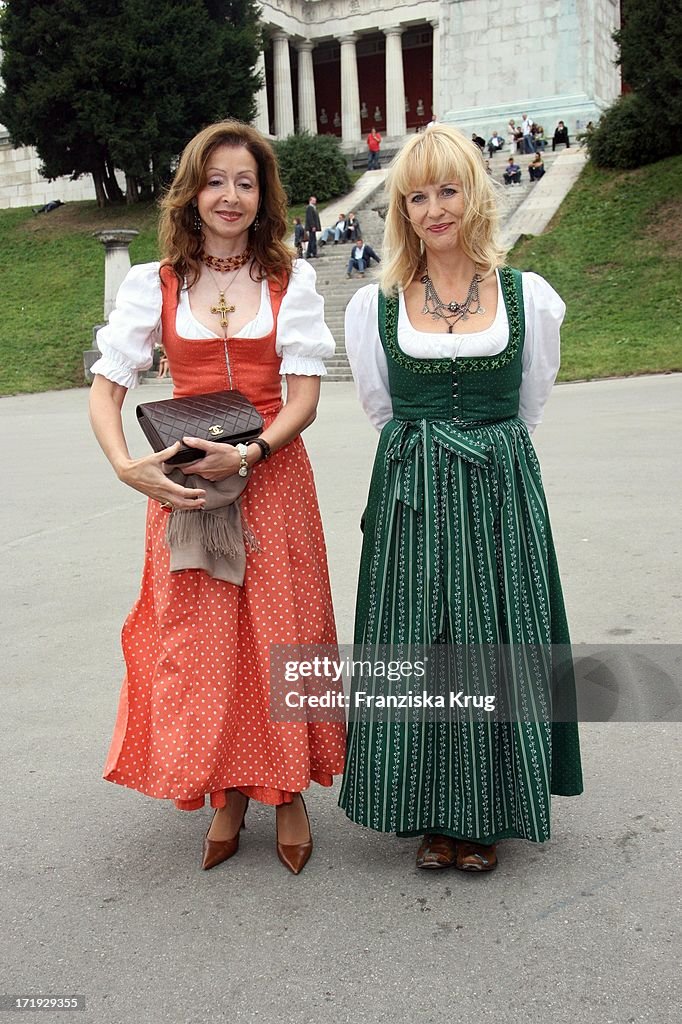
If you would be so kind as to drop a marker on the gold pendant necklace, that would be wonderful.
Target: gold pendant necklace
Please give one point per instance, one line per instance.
(221, 308)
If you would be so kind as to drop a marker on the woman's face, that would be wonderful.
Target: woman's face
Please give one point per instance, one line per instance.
(228, 201)
(435, 213)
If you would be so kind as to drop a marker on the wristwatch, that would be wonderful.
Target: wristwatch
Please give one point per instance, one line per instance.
(243, 464)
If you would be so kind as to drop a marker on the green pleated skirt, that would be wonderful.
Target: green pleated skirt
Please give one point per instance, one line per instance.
(458, 550)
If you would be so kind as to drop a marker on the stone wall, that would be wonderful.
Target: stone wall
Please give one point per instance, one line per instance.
(22, 185)
(552, 59)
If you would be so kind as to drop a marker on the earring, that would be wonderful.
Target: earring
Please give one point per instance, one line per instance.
(198, 224)
(256, 223)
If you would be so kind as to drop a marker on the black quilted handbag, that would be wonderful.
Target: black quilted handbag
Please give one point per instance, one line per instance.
(224, 416)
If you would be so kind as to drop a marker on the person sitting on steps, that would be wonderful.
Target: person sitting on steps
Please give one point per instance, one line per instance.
(495, 143)
(536, 168)
(560, 136)
(338, 232)
(360, 257)
(512, 173)
(352, 228)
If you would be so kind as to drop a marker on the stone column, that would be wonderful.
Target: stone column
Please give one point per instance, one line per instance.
(396, 124)
(116, 262)
(262, 118)
(435, 96)
(351, 130)
(116, 266)
(284, 100)
(307, 114)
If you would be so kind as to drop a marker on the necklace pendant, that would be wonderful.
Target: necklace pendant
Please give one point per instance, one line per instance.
(221, 310)
(481, 311)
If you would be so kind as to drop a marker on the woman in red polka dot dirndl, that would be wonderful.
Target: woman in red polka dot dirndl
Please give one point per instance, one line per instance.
(233, 310)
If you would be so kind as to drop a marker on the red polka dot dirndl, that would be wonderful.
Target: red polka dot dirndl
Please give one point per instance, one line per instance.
(194, 713)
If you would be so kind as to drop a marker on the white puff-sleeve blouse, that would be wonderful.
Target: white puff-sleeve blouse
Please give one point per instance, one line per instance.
(127, 341)
(544, 314)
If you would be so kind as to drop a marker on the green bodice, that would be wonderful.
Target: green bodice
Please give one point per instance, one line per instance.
(468, 391)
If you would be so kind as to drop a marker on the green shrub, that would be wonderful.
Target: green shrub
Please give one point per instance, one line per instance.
(312, 165)
(630, 134)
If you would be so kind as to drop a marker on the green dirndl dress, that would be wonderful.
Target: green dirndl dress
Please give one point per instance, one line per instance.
(458, 550)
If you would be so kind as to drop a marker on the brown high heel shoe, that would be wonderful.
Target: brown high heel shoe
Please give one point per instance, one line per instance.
(216, 851)
(296, 856)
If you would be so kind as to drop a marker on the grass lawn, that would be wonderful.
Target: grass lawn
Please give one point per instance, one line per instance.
(52, 271)
(614, 254)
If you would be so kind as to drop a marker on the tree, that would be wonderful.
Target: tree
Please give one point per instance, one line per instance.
(645, 124)
(650, 45)
(124, 84)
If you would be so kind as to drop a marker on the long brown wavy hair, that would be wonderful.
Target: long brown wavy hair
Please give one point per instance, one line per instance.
(181, 243)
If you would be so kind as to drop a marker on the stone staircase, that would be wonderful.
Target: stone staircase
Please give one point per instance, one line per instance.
(331, 264)
(332, 283)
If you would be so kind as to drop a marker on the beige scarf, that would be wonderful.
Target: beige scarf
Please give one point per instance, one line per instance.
(213, 538)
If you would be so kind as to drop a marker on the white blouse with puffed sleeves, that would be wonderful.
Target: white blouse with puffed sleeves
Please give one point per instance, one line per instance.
(544, 314)
(127, 341)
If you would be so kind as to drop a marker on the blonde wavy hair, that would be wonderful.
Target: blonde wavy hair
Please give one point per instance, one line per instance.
(181, 243)
(439, 154)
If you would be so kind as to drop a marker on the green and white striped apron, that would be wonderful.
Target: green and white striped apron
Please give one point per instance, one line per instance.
(458, 550)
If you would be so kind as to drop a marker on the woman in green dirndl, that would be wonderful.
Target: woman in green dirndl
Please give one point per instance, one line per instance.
(454, 355)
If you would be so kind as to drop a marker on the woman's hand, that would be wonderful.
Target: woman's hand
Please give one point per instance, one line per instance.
(147, 475)
(219, 461)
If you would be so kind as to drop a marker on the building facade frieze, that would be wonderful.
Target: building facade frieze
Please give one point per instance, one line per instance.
(325, 20)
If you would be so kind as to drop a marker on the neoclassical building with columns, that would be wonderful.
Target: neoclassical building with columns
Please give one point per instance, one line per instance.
(342, 66)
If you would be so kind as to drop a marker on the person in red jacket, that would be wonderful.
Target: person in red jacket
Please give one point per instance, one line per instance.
(374, 145)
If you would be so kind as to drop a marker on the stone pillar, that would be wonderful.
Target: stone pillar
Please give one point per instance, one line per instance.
(396, 124)
(307, 114)
(116, 266)
(284, 100)
(116, 262)
(351, 130)
(262, 118)
(435, 95)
